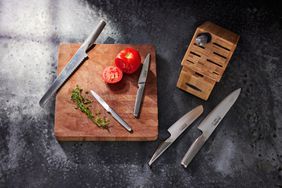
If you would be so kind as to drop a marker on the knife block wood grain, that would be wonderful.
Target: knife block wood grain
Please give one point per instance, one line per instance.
(204, 66)
(73, 125)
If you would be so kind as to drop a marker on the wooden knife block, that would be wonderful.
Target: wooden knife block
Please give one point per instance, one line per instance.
(202, 67)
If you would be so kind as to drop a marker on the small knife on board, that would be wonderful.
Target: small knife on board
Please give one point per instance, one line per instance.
(111, 111)
(176, 130)
(141, 85)
(73, 64)
(209, 124)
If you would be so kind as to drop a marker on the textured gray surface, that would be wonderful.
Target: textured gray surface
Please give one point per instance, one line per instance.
(245, 150)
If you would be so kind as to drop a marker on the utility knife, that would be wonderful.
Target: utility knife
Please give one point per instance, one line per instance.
(111, 111)
(141, 85)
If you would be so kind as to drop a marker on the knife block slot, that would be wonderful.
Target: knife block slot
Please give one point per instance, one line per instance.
(193, 87)
(198, 74)
(195, 83)
(221, 46)
(210, 60)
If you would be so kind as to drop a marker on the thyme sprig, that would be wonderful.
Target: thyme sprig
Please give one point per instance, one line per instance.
(83, 105)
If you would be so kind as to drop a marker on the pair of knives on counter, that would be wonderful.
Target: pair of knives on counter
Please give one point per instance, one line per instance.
(207, 126)
(139, 96)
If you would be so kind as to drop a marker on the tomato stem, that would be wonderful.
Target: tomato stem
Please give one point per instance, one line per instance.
(128, 55)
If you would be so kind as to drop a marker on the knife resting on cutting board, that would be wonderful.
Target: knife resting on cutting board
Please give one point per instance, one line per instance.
(72, 125)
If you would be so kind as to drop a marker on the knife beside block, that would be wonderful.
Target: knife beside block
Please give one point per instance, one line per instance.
(203, 66)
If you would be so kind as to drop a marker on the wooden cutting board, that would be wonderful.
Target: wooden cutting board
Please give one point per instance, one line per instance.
(72, 125)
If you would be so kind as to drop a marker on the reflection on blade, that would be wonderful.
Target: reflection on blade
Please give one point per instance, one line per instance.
(181, 125)
(209, 124)
(100, 100)
(145, 68)
(111, 111)
(162, 147)
(73, 64)
(177, 129)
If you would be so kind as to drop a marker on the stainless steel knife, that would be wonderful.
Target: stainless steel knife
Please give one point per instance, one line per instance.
(176, 130)
(141, 85)
(111, 111)
(73, 64)
(209, 124)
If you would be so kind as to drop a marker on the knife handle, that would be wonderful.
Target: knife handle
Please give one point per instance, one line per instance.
(121, 121)
(193, 150)
(138, 100)
(93, 36)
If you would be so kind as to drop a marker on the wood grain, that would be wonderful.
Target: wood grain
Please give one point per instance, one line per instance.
(73, 125)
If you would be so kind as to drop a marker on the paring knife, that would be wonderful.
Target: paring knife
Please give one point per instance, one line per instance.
(209, 124)
(111, 111)
(141, 85)
(73, 64)
(176, 130)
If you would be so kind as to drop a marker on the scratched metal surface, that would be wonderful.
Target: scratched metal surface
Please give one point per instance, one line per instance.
(244, 151)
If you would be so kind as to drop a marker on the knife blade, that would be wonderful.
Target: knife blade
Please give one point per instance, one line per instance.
(111, 111)
(176, 130)
(141, 85)
(209, 124)
(73, 64)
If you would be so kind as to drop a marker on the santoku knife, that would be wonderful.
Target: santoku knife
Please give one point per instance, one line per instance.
(209, 124)
(73, 64)
(176, 130)
(141, 85)
(111, 111)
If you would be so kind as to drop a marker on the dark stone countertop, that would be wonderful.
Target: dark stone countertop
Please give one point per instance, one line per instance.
(244, 151)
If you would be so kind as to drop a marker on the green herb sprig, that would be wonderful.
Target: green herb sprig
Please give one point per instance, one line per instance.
(83, 105)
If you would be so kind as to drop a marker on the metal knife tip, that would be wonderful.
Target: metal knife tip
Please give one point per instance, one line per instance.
(92, 92)
(237, 91)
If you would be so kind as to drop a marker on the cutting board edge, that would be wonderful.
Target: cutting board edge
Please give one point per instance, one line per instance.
(122, 139)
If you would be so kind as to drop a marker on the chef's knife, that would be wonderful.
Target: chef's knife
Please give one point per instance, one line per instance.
(73, 64)
(176, 130)
(111, 111)
(209, 124)
(141, 85)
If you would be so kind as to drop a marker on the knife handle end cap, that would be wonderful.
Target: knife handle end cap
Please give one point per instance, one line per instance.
(184, 165)
(42, 103)
(150, 163)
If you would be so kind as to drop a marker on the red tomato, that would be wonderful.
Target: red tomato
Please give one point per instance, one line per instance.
(128, 60)
(112, 74)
